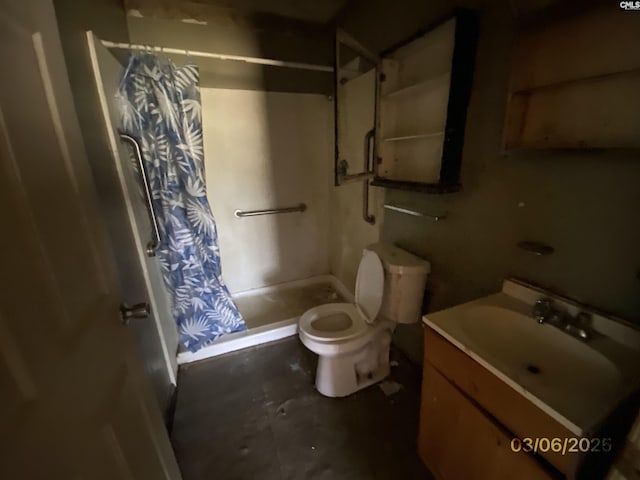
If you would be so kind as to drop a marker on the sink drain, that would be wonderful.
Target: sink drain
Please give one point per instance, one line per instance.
(533, 369)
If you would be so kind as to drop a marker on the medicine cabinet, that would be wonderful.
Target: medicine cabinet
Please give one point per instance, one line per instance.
(411, 132)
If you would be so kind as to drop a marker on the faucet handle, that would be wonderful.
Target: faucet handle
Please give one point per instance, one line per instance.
(582, 319)
(580, 326)
(542, 309)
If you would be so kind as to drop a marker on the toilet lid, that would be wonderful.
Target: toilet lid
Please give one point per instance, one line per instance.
(369, 286)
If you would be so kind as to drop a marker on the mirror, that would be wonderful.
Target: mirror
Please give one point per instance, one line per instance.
(356, 75)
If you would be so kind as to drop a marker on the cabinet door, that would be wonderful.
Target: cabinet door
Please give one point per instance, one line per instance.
(456, 440)
(356, 86)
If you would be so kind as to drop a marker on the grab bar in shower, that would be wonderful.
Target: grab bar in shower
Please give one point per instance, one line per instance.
(366, 216)
(154, 243)
(254, 213)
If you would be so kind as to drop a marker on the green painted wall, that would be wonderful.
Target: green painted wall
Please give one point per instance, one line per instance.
(586, 204)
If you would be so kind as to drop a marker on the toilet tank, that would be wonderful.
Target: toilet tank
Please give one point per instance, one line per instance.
(405, 277)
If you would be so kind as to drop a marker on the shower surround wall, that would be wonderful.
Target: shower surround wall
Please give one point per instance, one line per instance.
(268, 150)
(334, 244)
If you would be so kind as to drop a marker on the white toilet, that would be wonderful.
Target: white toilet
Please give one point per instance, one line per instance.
(352, 339)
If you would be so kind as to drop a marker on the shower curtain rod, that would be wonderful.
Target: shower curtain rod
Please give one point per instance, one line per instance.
(220, 56)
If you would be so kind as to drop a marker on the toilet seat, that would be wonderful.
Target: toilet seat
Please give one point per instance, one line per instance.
(339, 322)
(317, 325)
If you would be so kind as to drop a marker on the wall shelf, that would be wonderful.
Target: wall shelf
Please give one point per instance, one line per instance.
(418, 103)
(416, 88)
(573, 89)
(569, 82)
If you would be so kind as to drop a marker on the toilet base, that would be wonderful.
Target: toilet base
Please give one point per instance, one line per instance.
(342, 375)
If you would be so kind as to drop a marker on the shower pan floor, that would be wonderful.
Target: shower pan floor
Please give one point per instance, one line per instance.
(262, 308)
(272, 313)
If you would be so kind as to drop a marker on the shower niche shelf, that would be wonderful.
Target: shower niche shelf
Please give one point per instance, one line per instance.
(423, 92)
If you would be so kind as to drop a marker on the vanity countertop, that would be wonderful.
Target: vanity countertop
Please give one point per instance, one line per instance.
(578, 383)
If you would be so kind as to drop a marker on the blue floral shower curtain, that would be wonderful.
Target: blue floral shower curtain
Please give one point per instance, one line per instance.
(160, 106)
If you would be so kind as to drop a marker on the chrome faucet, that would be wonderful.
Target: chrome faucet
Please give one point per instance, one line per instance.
(545, 312)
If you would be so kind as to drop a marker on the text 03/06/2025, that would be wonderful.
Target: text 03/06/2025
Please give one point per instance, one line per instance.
(561, 445)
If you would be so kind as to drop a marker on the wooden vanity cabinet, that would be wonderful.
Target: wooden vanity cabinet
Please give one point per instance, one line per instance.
(458, 441)
(468, 418)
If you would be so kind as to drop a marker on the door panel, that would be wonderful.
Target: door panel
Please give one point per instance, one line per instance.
(140, 275)
(75, 402)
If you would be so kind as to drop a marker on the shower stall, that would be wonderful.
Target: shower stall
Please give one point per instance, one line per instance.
(268, 168)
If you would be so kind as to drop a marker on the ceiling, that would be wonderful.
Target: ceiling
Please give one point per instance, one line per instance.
(318, 11)
(313, 11)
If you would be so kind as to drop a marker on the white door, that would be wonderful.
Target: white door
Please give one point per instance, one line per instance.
(130, 228)
(74, 402)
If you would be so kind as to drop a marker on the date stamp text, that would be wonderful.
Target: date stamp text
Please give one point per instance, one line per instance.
(562, 446)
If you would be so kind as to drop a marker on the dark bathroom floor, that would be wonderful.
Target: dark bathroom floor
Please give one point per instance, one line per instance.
(255, 414)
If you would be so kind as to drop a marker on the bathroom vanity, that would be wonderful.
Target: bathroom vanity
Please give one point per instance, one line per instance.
(507, 396)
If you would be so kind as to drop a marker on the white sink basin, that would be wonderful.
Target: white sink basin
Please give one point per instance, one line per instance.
(541, 358)
(576, 382)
